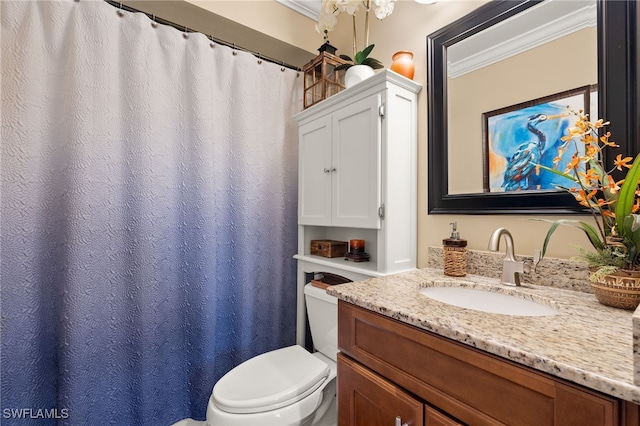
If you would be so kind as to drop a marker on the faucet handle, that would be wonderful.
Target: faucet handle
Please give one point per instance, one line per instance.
(537, 257)
(534, 262)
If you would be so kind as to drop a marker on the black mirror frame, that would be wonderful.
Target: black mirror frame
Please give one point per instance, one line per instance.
(619, 94)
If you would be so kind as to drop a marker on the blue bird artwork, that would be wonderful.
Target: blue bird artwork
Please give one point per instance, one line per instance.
(520, 140)
(523, 161)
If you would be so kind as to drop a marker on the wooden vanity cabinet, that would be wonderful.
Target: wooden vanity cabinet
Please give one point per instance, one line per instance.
(389, 369)
(371, 400)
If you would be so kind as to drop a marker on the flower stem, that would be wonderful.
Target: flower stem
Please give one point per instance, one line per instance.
(355, 36)
(366, 24)
(592, 209)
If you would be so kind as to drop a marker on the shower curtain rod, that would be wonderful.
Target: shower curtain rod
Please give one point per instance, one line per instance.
(186, 29)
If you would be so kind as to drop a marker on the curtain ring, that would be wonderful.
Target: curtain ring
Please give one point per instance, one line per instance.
(185, 34)
(235, 52)
(120, 12)
(212, 44)
(259, 59)
(154, 24)
(282, 68)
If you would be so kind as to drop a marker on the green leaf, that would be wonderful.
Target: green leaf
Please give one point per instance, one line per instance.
(632, 232)
(362, 55)
(373, 63)
(627, 194)
(367, 50)
(343, 67)
(635, 224)
(592, 234)
(346, 58)
(589, 230)
(558, 172)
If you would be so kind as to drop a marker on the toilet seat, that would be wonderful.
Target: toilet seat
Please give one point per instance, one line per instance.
(269, 381)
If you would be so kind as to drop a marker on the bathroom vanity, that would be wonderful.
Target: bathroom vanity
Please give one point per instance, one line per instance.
(409, 359)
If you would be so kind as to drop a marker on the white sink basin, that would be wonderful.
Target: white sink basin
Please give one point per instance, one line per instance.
(488, 301)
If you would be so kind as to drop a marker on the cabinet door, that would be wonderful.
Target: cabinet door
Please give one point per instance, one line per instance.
(314, 173)
(356, 161)
(433, 417)
(367, 399)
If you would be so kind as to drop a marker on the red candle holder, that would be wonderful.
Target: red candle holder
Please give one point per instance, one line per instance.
(356, 246)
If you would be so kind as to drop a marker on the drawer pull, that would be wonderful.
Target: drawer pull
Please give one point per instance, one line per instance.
(399, 422)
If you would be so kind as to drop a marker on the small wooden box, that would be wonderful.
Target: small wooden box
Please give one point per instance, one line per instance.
(329, 248)
(329, 279)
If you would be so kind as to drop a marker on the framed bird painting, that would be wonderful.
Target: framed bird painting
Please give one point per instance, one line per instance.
(519, 137)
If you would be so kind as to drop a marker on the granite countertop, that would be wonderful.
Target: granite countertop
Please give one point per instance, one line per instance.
(586, 343)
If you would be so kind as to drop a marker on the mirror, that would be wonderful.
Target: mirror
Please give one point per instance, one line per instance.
(507, 67)
(478, 66)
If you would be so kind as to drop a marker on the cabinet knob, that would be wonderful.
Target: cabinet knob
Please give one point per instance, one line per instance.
(399, 422)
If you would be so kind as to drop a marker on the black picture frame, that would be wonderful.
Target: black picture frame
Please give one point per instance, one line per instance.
(577, 99)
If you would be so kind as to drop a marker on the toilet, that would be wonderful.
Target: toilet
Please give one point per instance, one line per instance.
(287, 386)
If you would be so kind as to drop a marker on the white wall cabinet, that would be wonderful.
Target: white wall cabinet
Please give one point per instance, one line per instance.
(357, 179)
(339, 167)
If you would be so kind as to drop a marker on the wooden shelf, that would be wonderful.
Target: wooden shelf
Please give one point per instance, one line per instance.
(365, 268)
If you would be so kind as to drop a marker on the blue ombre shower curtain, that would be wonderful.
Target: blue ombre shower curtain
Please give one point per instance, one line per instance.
(147, 213)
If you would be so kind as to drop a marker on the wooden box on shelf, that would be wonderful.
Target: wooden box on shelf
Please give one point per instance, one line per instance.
(329, 248)
(328, 279)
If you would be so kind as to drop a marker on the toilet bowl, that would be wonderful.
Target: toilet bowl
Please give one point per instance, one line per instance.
(287, 386)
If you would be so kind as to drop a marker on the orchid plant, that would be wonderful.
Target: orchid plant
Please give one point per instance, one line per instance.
(327, 21)
(613, 204)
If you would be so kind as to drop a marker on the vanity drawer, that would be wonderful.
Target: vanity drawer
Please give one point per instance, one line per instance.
(472, 386)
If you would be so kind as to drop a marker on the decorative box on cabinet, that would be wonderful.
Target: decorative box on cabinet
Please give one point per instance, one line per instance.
(470, 386)
(329, 248)
(357, 179)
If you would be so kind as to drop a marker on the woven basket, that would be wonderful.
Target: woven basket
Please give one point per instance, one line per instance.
(455, 261)
(619, 290)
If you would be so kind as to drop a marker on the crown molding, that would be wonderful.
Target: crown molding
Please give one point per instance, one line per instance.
(309, 8)
(533, 37)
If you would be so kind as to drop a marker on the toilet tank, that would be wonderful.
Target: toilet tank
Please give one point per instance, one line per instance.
(322, 311)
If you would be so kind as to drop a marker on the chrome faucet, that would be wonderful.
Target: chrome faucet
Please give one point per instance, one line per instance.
(511, 268)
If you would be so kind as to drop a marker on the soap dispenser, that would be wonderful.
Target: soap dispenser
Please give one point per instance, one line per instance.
(455, 253)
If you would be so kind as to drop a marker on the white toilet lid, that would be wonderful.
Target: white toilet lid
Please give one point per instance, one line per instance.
(269, 381)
